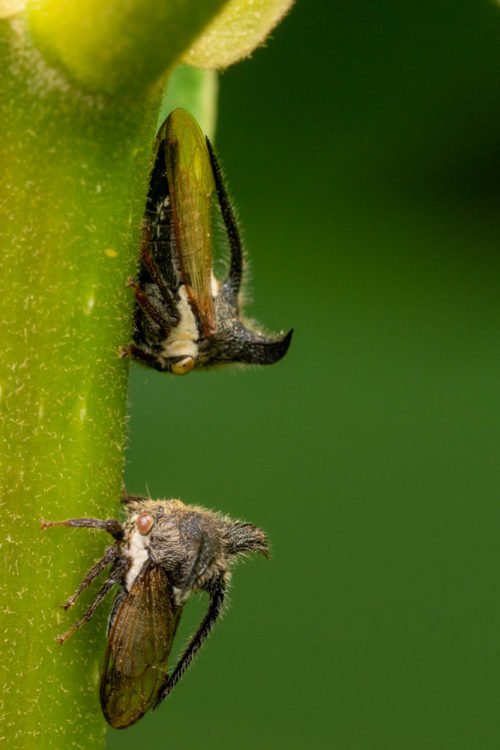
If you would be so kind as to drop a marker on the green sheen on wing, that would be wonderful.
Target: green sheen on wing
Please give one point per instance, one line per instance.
(191, 182)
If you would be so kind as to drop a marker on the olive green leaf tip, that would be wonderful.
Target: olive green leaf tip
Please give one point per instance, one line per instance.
(236, 32)
(117, 48)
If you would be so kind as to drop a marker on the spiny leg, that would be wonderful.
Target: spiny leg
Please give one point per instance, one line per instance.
(233, 233)
(105, 589)
(141, 355)
(147, 259)
(148, 307)
(217, 591)
(109, 556)
(111, 525)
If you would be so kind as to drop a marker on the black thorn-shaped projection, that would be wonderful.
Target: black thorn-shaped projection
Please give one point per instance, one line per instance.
(239, 344)
(259, 350)
(233, 281)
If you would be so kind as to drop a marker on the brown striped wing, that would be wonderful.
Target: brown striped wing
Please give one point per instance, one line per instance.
(191, 184)
(139, 644)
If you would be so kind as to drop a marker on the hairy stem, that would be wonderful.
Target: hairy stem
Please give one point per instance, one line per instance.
(74, 177)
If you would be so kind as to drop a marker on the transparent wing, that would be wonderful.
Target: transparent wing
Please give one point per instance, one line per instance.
(191, 183)
(139, 643)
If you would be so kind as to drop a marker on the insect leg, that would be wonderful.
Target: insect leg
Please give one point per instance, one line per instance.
(111, 554)
(217, 591)
(141, 355)
(115, 577)
(111, 525)
(147, 259)
(145, 303)
(233, 233)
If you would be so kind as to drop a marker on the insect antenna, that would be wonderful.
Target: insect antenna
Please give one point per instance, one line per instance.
(217, 592)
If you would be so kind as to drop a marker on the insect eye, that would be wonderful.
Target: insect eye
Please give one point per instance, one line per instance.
(183, 366)
(144, 523)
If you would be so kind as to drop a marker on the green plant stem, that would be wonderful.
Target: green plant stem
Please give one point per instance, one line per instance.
(74, 176)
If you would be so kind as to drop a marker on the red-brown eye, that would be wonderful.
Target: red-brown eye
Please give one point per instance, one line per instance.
(144, 523)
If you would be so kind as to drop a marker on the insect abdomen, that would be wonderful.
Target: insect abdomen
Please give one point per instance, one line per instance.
(139, 644)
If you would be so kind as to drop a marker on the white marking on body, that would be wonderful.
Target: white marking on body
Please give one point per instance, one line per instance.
(161, 216)
(181, 340)
(138, 546)
(214, 285)
(179, 597)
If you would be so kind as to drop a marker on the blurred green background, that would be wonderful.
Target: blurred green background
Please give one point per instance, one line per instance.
(362, 146)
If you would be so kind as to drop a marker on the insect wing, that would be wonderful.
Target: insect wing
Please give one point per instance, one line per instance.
(140, 641)
(191, 184)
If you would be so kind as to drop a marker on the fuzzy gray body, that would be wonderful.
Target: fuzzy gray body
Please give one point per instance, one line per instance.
(193, 544)
(163, 552)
